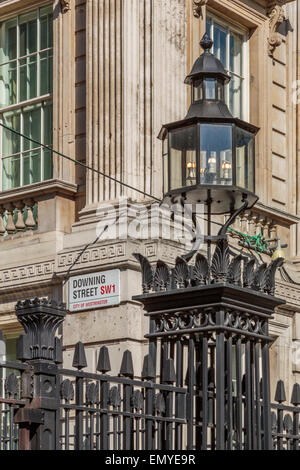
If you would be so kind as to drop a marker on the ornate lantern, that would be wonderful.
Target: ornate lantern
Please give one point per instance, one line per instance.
(211, 155)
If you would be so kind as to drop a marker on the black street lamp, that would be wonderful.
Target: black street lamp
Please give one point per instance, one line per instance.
(211, 154)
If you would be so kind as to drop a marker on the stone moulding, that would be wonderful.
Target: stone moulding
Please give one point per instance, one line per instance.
(197, 7)
(277, 17)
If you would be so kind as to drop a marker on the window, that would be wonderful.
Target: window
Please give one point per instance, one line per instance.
(231, 48)
(26, 56)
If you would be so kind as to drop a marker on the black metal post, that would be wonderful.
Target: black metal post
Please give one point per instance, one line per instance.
(40, 319)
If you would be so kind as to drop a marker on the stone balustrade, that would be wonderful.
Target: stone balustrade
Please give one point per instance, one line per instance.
(18, 216)
(253, 223)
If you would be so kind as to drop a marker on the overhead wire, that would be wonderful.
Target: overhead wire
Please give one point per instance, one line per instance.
(87, 167)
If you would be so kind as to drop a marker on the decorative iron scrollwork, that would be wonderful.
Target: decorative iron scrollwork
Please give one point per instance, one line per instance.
(225, 268)
(161, 277)
(181, 274)
(235, 271)
(159, 404)
(221, 262)
(114, 397)
(137, 401)
(147, 273)
(92, 393)
(67, 390)
(12, 386)
(200, 271)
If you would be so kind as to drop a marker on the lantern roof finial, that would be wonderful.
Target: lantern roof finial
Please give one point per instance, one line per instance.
(206, 43)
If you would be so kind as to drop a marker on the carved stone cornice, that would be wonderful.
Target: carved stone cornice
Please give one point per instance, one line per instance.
(197, 7)
(65, 5)
(277, 17)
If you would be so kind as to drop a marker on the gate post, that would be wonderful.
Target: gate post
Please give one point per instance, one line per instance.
(41, 350)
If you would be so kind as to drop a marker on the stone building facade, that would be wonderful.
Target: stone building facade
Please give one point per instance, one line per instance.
(115, 71)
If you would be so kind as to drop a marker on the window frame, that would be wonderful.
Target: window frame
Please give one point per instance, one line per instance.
(21, 105)
(245, 76)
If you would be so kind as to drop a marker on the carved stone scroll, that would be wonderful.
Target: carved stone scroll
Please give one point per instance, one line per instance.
(197, 7)
(277, 17)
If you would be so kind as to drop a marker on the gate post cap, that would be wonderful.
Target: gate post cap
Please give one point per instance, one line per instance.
(148, 371)
(127, 365)
(280, 395)
(295, 400)
(104, 361)
(79, 360)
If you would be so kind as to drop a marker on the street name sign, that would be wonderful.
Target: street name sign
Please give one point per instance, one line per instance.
(94, 290)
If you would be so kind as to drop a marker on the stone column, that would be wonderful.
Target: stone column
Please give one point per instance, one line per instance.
(104, 75)
(128, 44)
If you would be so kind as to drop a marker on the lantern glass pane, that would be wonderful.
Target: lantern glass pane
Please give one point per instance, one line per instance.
(220, 90)
(197, 91)
(210, 88)
(216, 154)
(245, 151)
(183, 169)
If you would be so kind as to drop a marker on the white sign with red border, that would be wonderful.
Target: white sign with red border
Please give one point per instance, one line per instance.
(95, 290)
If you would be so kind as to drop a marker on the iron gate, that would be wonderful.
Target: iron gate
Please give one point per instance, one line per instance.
(205, 384)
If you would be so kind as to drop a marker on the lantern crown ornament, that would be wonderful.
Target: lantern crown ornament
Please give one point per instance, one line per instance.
(209, 157)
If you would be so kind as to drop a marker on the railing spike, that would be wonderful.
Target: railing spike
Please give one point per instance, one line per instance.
(79, 360)
(168, 373)
(127, 365)
(104, 361)
(148, 371)
(196, 375)
(280, 396)
(295, 400)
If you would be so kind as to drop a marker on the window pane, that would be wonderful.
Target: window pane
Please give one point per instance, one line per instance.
(208, 26)
(28, 78)
(32, 126)
(8, 40)
(11, 173)
(28, 33)
(8, 84)
(32, 167)
(46, 72)
(220, 35)
(10, 141)
(48, 172)
(32, 77)
(236, 54)
(46, 36)
(48, 125)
